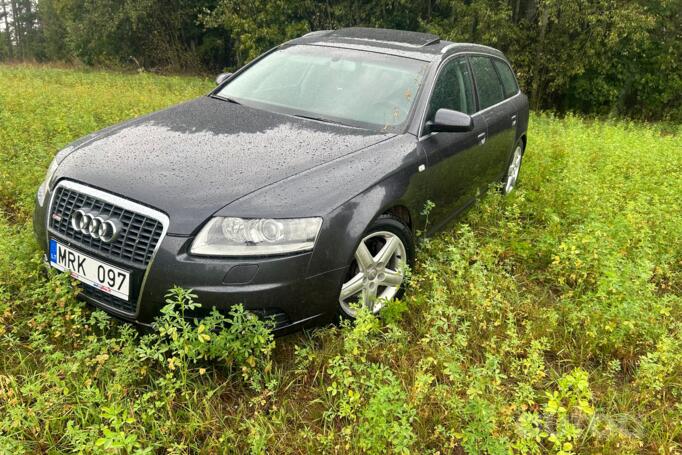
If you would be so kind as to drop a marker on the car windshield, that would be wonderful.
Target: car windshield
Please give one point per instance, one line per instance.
(346, 86)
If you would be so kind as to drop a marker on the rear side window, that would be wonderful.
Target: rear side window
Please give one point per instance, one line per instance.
(488, 85)
(508, 80)
(453, 89)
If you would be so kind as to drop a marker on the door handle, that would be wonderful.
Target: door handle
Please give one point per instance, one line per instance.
(481, 138)
(513, 119)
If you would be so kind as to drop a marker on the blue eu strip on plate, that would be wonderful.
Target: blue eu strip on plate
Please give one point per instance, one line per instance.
(53, 250)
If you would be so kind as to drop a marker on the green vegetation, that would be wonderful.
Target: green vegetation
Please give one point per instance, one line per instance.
(594, 56)
(549, 321)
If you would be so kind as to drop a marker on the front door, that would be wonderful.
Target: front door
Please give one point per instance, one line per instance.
(452, 158)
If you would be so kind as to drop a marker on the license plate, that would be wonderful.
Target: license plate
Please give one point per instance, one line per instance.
(89, 270)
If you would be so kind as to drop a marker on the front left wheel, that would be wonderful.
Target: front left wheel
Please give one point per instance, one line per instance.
(377, 270)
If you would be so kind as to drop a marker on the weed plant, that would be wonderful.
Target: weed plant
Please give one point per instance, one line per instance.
(548, 321)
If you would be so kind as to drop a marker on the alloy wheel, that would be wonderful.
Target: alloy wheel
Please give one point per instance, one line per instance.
(376, 274)
(513, 171)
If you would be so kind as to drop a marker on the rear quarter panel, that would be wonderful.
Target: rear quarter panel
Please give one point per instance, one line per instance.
(523, 114)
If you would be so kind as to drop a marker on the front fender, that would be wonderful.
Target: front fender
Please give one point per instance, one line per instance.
(344, 227)
(348, 193)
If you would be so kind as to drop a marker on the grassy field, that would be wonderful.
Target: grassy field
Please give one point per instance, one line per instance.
(546, 322)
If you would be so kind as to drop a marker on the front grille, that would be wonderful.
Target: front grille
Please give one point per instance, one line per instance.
(136, 242)
(141, 229)
(108, 299)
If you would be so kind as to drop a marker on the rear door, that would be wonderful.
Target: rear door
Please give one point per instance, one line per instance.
(452, 157)
(499, 113)
(511, 88)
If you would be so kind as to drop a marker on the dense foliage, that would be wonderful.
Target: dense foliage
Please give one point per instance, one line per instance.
(548, 321)
(596, 56)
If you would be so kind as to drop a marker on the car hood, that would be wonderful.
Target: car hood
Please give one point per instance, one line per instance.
(193, 159)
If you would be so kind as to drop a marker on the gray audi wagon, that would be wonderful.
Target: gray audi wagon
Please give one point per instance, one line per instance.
(295, 187)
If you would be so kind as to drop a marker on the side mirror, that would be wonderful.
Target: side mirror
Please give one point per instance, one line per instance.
(221, 78)
(447, 120)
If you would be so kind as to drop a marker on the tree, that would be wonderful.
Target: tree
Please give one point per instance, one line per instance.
(596, 56)
(7, 35)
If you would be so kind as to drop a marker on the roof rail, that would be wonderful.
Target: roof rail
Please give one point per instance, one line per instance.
(482, 46)
(316, 33)
(432, 42)
(448, 47)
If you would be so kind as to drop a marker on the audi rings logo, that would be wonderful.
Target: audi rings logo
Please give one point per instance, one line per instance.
(95, 225)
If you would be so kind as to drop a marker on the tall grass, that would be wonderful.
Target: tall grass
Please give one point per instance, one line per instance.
(544, 322)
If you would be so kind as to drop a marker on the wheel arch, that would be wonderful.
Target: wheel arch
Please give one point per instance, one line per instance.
(344, 227)
(401, 212)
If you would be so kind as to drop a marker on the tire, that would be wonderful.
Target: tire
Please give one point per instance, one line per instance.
(512, 175)
(372, 279)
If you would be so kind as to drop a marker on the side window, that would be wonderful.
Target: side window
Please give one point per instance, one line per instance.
(508, 80)
(453, 89)
(488, 85)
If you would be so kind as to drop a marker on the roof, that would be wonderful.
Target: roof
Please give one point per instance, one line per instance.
(422, 46)
(387, 36)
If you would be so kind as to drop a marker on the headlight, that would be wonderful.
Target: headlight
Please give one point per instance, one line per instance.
(42, 190)
(256, 237)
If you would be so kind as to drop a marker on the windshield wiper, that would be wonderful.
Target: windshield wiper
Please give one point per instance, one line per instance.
(319, 119)
(224, 98)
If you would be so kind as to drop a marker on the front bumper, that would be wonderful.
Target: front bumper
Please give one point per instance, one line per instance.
(285, 288)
